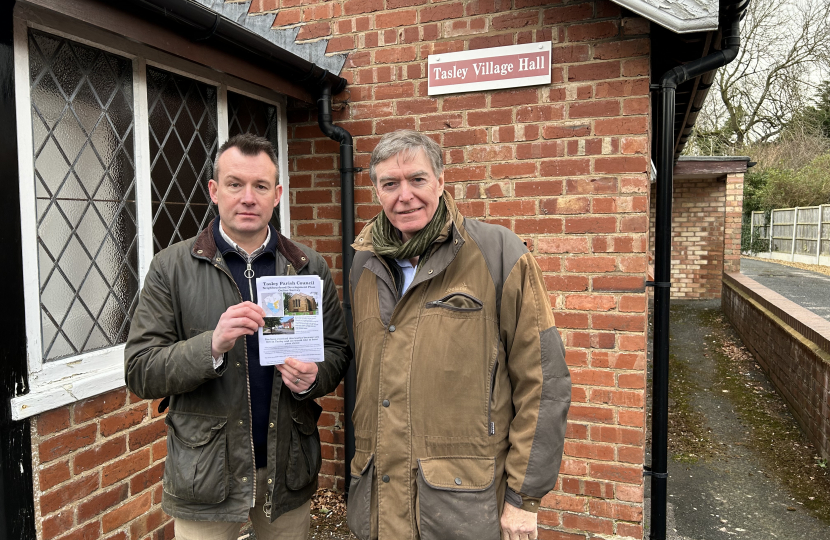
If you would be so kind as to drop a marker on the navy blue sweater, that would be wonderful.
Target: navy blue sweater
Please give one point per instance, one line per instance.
(261, 378)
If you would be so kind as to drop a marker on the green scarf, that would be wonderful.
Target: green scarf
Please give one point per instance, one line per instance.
(387, 241)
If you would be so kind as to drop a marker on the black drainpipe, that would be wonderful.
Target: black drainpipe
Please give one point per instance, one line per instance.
(347, 171)
(662, 266)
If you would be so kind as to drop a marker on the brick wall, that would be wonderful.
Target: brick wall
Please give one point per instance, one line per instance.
(97, 470)
(792, 346)
(564, 166)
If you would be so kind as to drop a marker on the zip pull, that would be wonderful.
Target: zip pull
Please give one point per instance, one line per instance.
(492, 428)
(249, 273)
(266, 507)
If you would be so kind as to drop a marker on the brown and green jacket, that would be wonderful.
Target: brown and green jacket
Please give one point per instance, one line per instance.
(462, 387)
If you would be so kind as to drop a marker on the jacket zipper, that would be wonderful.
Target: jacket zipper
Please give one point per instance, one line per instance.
(491, 426)
(248, 386)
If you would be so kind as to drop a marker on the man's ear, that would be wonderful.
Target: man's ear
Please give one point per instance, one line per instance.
(213, 187)
(278, 193)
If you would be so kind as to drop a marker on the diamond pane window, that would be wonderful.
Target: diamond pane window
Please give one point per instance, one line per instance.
(249, 115)
(183, 142)
(84, 169)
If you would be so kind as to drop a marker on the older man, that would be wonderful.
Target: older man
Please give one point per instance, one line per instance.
(242, 437)
(462, 387)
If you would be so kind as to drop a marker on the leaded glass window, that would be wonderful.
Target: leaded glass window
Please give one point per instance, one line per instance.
(249, 115)
(84, 174)
(183, 143)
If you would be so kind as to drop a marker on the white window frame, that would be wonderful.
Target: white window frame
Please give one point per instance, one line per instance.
(67, 380)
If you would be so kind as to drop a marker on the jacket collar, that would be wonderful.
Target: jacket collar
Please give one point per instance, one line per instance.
(363, 242)
(204, 247)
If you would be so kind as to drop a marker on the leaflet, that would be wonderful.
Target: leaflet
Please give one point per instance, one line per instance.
(293, 319)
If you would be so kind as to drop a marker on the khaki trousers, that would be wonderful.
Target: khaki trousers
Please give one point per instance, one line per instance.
(293, 525)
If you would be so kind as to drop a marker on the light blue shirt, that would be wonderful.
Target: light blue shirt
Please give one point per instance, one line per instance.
(408, 273)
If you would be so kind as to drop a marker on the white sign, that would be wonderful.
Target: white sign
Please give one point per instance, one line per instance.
(512, 66)
(293, 319)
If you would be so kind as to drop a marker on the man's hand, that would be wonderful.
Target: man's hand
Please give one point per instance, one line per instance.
(517, 524)
(298, 376)
(239, 320)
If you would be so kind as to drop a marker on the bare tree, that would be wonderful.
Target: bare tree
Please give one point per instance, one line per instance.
(785, 50)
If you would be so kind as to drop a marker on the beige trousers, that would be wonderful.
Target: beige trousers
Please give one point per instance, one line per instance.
(293, 525)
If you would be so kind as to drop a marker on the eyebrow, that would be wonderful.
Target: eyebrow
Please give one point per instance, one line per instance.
(411, 175)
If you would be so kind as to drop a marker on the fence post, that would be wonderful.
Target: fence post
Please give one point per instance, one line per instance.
(771, 224)
(751, 231)
(818, 239)
(795, 226)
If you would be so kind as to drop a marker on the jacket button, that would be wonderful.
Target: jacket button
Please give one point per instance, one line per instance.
(429, 272)
(392, 328)
(238, 364)
(385, 402)
(270, 481)
(386, 478)
(199, 251)
(244, 478)
(271, 425)
(241, 422)
(457, 481)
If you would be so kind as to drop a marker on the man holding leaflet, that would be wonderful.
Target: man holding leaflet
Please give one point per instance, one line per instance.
(242, 437)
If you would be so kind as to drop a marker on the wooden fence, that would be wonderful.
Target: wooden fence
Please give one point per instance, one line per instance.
(793, 234)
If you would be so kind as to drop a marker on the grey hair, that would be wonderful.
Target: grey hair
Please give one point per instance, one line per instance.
(408, 143)
(248, 144)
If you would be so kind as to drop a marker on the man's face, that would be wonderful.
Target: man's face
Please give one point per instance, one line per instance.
(408, 191)
(246, 193)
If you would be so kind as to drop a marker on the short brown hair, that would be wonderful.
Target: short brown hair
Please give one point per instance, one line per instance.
(248, 144)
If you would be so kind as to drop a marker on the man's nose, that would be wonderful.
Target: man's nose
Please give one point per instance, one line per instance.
(406, 192)
(248, 195)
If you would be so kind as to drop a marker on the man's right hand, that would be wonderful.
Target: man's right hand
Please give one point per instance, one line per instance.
(239, 320)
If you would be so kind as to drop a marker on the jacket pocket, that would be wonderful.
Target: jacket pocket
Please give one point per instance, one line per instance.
(458, 301)
(304, 457)
(457, 499)
(196, 469)
(359, 504)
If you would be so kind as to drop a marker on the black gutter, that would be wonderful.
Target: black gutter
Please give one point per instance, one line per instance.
(202, 24)
(347, 171)
(662, 265)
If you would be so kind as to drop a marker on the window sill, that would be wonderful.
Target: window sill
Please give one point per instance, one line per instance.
(65, 383)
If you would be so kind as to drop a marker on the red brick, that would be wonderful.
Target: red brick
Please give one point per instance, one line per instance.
(314, 31)
(538, 188)
(592, 377)
(53, 421)
(512, 170)
(123, 420)
(516, 19)
(126, 513)
(90, 531)
(396, 19)
(56, 524)
(583, 413)
(621, 49)
(618, 283)
(592, 31)
(513, 208)
(492, 117)
(595, 71)
(54, 475)
(571, 320)
(442, 12)
(583, 225)
(616, 472)
(393, 55)
(565, 167)
(98, 504)
(146, 478)
(563, 132)
(60, 445)
(593, 109)
(544, 149)
(621, 164)
(566, 205)
(591, 302)
(95, 456)
(603, 452)
(353, 7)
(511, 98)
(586, 523)
(68, 493)
(570, 13)
(566, 283)
(619, 322)
(571, 53)
(621, 126)
(538, 225)
(125, 467)
(600, 185)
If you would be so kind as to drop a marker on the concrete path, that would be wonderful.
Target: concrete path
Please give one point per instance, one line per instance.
(736, 491)
(807, 289)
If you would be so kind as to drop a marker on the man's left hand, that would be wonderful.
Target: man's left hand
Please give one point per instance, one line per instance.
(298, 376)
(517, 524)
